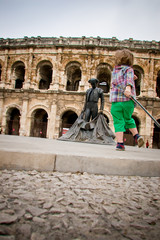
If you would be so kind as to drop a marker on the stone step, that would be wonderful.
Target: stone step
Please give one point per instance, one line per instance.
(30, 153)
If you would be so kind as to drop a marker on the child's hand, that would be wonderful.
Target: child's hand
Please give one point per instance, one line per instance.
(127, 91)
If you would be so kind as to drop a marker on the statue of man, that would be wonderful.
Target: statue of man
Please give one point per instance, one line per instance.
(91, 103)
(97, 130)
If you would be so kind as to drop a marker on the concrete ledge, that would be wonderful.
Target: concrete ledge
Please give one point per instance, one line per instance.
(27, 161)
(28, 153)
(108, 166)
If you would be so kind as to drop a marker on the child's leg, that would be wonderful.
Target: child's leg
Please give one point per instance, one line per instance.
(119, 137)
(130, 123)
(128, 109)
(119, 123)
(120, 144)
(138, 139)
(134, 131)
(118, 119)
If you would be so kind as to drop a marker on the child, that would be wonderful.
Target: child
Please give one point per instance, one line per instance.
(122, 87)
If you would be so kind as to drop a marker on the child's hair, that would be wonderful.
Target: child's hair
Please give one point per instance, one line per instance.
(124, 57)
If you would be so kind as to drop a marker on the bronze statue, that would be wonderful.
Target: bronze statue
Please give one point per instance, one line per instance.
(91, 104)
(91, 125)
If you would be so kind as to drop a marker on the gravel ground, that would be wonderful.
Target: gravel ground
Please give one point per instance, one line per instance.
(65, 206)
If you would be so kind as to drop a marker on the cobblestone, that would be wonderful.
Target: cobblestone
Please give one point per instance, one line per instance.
(66, 206)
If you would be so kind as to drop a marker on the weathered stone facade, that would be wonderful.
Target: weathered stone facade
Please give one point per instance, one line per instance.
(43, 83)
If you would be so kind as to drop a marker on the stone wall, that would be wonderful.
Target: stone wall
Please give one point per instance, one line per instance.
(68, 63)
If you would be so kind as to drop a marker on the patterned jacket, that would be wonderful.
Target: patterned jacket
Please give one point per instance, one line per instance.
(121, 77)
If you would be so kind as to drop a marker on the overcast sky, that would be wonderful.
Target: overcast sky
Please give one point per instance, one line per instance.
(124, 19)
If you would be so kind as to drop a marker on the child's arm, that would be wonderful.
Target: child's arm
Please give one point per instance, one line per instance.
(127, 91)
(130, 82)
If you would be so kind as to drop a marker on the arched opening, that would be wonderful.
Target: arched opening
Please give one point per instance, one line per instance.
(104, 77)
(45, 74)
(128, 137)
(39, 123)
(0, 71)
(68, 119)
(158, 85)
(138, 71)
(73, 73)
(19, 74)
(13, 121)
(156, 136)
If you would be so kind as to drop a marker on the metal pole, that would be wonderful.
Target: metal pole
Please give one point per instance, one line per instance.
(135, 100)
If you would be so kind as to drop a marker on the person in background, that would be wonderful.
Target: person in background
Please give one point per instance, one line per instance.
(122, 88)
(147, 144)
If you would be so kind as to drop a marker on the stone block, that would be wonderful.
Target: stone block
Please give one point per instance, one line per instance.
(27, 161)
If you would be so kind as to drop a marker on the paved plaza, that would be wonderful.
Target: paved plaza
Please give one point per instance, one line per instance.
(55, 190)
(74, 206)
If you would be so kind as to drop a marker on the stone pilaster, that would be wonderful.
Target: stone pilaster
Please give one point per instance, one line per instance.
(4, 79)
(55, 80)
(23, 130)
(148, 127)
(151, 85)
(28, 71)
(1, 110)
(52, 121)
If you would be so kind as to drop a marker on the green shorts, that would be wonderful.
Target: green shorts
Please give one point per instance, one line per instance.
(122, 115)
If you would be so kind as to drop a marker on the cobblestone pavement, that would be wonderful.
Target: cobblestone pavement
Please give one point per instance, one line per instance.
(65, 206)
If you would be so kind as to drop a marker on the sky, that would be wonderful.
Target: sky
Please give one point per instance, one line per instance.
(123, 19)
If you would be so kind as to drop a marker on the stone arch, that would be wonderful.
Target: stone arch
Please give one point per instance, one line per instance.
(104, 76)
(12, 106)
(67, 120)
(158, 84)
(37, 106)
(39, 122)
(73, 73)
(139, 72)
(18, 73)
(67, 108)
(12, 120)
(137, 121)
(44, 72)
(128, 137)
